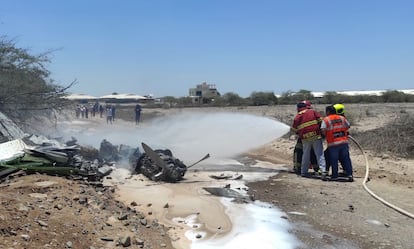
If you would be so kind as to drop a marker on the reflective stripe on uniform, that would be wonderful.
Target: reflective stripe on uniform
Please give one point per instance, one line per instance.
(333, 126)
(306, 124)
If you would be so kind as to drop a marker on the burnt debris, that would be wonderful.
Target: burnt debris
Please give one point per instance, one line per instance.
(40, 154)
(160, 165)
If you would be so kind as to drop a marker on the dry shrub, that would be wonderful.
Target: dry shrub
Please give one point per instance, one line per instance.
(395, 138)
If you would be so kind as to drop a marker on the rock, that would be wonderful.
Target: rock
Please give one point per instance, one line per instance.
(143, 222)
(107, 239)
(69, 244)
(83, 200)
(23, 208)
(45, 184)
(123, 217)
(139, 242)
(26, 237)
(125, 241)
(58, 206)
(111, 221)
(42, 223)
(38, 195)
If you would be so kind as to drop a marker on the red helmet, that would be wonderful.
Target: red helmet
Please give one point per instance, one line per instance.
(304, 104)
(307, 103)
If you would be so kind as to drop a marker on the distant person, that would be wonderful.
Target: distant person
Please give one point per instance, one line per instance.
(335, 128)
(113, 112)
(137, 113)
(86, 111)
(83, 111)
(109, 114)
(306, 125)
(95, 108)
(77, 111)
(101, 110)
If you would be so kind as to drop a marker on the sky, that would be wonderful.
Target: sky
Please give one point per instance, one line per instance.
(166, 47)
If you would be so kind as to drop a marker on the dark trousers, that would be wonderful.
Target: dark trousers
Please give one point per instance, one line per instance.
(137, 117)
(340, 153)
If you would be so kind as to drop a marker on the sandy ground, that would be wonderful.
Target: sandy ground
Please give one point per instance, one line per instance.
(42, 211)
(322, 214)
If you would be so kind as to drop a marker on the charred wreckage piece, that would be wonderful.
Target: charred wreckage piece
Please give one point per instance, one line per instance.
(38, 154)
(52, 158)
(161, 165)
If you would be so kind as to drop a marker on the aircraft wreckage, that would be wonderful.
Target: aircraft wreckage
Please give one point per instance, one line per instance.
(161, 165)
(39, 154)
(19, 151)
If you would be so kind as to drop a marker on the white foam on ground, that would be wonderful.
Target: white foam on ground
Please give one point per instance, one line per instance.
(255, 225)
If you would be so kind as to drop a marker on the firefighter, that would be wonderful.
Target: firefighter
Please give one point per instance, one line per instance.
(306, 125)
(298, 152)
(335, 129)
(340, 110)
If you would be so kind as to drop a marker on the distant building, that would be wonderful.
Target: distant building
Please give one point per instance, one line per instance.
(204, 93)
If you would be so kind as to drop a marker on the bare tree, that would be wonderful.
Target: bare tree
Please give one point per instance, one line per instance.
(26, 88)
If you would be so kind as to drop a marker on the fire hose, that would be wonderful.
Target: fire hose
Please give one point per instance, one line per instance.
(402, 211)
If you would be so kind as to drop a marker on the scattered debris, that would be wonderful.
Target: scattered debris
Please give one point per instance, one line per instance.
(374, 222)
(226, 177)
(37, 154)
(160, 165)
(228, 192)
(297, 213)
